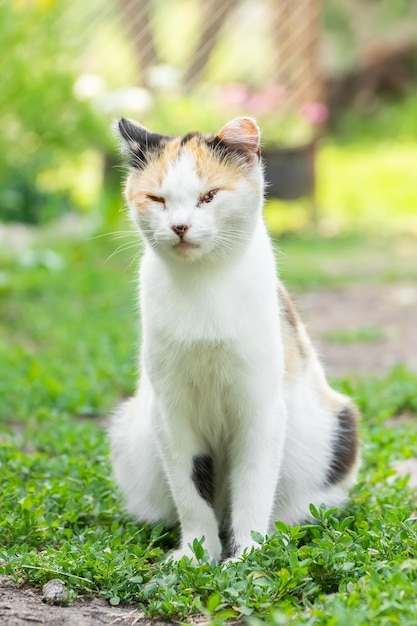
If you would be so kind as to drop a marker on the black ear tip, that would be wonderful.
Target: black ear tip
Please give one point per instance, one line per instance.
(129, 130)
(123, 125)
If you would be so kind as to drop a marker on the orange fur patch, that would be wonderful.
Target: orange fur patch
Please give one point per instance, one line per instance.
(212, 172)
(295, 350)
(169, 155)
(135, 193)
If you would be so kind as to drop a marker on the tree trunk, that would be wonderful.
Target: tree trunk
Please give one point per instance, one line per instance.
(137, 18)
(297, 30)
(214, 14)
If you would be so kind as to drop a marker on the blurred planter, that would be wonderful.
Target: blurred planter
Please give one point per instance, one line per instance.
(290, 172)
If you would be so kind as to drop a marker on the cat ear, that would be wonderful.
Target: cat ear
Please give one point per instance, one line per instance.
(138, 142)
(243, 135)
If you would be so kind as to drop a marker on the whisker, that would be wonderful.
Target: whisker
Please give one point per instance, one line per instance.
(122, 248)
(114, 234)
(135, 258)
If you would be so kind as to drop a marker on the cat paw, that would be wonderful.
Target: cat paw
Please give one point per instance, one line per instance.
(236, 552)
(214, 554)
(235, 558)
(177, 555)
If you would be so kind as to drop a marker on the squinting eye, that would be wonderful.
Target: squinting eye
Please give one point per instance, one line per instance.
(208, 197)
(156, 199)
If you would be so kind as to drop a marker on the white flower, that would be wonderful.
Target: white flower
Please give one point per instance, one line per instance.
(89, 86)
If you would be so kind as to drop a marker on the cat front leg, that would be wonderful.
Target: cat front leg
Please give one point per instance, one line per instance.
(255, 469)
(189, 470)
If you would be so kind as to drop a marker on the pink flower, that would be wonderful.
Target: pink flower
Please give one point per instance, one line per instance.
(236, 96)
(266, 101)
(274, 95)
(315, 112)
(257, 105)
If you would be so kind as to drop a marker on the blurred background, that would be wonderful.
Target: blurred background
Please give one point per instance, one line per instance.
(332, 83)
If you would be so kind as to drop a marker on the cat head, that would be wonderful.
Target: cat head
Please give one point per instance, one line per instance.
(197, 196)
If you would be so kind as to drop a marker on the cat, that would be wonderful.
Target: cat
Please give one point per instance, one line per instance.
(233, 425)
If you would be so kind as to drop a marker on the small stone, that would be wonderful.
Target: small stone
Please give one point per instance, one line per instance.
(55, 592)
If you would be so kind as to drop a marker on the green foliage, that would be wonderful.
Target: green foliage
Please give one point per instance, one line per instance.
(364, 187)
(180, 115)
(365, 170)
(61, 516)
(389, 121)
(67, 356)
(43, 128)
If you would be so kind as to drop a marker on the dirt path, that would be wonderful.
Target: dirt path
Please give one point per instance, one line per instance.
(365, 329)
(24, 606)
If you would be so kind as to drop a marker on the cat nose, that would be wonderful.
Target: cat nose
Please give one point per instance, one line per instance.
(180, 229)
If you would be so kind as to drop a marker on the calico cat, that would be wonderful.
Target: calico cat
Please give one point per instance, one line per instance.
(233, 425)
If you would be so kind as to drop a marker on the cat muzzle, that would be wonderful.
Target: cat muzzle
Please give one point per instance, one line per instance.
(180, 229)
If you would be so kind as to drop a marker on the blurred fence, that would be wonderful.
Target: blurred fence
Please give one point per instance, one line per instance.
(296, 43)
(201, 41)
(69, 66)
(271, 41)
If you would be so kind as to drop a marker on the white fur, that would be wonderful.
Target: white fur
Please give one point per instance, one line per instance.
(213, 376)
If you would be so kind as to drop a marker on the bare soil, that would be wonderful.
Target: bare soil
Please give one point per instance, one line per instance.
(385, 313)
(21, 606)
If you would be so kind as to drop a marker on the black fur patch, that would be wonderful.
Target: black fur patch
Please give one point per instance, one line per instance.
(188, 138)
(227, 152)
(203, 477)
(345, 445)
(224, 151)
(139, 143)
(231, 546)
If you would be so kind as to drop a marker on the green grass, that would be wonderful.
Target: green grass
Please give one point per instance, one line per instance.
(67, 337)
(330, 262)
(67, 356)
(369, 334)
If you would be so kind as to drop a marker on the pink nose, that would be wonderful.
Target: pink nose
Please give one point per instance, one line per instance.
(180, 229)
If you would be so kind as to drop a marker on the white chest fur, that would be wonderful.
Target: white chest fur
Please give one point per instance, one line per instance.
(212, 338)
(189, 303)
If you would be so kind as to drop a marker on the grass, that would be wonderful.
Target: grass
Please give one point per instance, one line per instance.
(314, 262)
(368, 334)
(67, 356)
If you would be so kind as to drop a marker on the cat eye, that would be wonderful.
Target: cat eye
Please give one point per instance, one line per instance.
(156, 198)
(208, 197)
